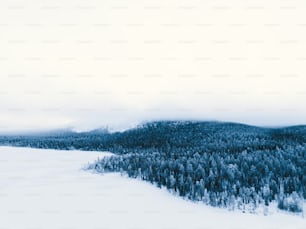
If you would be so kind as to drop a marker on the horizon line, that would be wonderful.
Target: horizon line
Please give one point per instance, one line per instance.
(106, 128)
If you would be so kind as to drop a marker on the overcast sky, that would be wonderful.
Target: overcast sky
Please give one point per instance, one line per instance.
(90, 64)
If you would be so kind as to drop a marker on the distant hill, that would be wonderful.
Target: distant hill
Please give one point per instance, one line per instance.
(165, 135)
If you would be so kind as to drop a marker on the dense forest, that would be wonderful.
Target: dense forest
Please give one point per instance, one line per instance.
(228, 165)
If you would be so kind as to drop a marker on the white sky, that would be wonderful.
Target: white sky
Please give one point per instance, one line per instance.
(89, 64)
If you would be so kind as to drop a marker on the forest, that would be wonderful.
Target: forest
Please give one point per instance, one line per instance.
(228, 165)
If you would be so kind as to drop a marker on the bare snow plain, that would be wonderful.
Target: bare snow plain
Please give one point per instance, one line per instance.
(42, 189)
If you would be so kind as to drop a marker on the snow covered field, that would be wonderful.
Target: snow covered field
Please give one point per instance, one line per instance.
(48, 189)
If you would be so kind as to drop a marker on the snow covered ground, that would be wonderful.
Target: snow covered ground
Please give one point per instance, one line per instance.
(48, 189)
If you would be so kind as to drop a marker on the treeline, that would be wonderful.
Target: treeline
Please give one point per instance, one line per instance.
(221, 164)
(68, 140)
(232, 180)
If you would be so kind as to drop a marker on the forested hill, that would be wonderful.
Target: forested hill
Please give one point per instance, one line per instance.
(200, 136)
(228, 165)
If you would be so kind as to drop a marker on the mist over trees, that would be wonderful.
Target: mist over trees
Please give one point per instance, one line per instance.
(228, 165)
